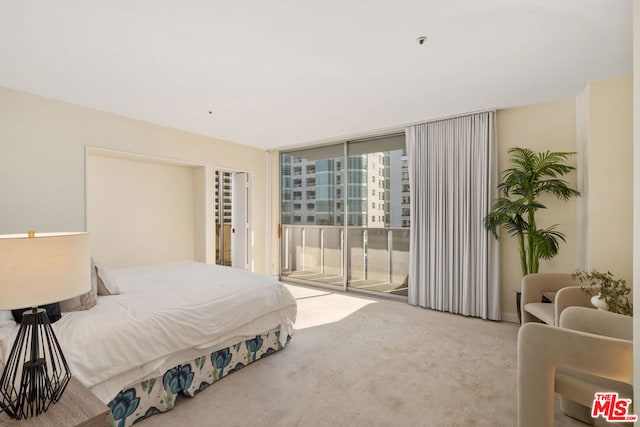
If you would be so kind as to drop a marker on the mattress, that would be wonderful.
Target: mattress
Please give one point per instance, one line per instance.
(165, 314)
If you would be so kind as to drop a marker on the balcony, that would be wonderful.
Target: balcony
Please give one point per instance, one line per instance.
(378, 258)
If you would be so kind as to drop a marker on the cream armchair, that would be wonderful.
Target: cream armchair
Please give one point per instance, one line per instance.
(590, 352)
(567, 294)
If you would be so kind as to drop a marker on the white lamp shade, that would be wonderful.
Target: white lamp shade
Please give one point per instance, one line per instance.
(44, 269)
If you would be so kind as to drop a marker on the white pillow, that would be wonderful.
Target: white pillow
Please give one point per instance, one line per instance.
(6, 318)
(107, 284)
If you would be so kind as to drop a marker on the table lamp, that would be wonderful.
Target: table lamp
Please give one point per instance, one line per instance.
(36, 270)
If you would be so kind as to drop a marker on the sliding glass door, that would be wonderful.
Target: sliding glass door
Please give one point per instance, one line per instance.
(378, 204)
(370, 250)
(311, 212)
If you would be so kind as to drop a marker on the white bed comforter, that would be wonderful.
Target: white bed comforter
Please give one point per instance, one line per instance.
(166, 314)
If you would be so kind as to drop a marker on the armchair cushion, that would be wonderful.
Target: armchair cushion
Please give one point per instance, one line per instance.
(582, 387)
(542, 311)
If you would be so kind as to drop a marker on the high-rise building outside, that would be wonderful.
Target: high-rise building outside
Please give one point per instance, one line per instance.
(313, 191)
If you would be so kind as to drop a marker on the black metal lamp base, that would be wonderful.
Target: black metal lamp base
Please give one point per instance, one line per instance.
(36, 373)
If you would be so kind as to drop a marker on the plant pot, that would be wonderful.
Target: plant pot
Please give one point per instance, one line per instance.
(598, 303)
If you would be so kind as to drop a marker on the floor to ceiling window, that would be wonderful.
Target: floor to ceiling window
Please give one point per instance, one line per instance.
(370, 250)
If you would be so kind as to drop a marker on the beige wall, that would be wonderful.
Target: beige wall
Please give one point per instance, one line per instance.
(140, 211)
(42, 161)
(610, 177)
(550, 126)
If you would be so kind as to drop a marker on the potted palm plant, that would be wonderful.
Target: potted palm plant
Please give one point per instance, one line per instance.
(530, 175)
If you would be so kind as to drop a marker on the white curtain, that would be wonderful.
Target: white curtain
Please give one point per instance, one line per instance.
(453, 175)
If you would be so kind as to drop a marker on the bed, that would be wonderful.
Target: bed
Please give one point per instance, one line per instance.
(173, 328)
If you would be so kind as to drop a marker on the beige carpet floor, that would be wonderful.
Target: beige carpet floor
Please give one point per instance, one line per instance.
(359, 361)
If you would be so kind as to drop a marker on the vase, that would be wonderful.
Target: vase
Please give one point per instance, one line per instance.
(598, 303)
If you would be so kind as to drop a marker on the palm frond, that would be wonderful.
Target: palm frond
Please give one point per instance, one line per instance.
(558, 187)
(547, 242)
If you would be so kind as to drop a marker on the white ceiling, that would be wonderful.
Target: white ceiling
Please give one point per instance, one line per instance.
(282, 72)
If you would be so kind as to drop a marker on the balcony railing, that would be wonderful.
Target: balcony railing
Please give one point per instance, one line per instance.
(377, 258)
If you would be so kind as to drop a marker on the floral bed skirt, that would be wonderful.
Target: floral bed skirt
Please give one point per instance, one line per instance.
(159, 394)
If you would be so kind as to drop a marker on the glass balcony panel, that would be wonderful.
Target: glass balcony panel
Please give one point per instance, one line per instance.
(313, 253)
(379, 259)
